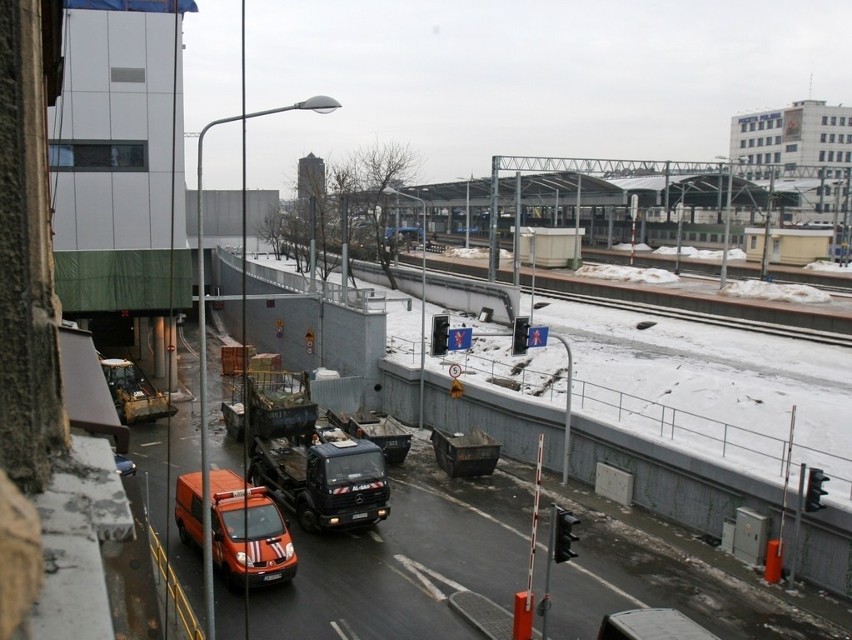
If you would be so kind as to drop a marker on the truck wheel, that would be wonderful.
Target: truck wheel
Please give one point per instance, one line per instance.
(308, 518)
(230, 581)
(184, 536)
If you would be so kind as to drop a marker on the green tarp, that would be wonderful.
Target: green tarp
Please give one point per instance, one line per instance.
(116, 280)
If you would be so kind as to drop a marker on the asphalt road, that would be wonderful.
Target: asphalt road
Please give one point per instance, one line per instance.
(444, 535)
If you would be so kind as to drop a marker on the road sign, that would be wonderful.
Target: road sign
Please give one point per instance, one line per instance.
(537, 337)
(456, 389)
(460, 339)
(455, 370)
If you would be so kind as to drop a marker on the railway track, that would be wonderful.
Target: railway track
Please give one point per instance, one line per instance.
(798, 333)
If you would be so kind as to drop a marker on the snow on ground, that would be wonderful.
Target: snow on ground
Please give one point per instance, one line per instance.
(730, 392)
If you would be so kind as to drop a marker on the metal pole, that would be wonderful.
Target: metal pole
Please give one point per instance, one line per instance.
(422, 320)
(545, 603)
(679, 209)
(575, 263)
(764, 263)
(493, 244)
(791, 580)
(567, 442)
(312, 223)
(532, 259)
(723, 278)
(467, 216)
(318, 102)
(516, 241)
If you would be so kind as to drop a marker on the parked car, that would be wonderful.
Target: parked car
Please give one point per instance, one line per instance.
(124, 466)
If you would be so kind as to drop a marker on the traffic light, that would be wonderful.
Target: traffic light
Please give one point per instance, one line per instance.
(813, 497)
(520, 335)
(440, 334)
(565, 521)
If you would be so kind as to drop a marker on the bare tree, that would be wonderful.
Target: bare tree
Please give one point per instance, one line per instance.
(368, 172)
(271, 230)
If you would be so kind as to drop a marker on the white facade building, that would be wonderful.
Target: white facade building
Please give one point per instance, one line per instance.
(116, 154)
(809, 146)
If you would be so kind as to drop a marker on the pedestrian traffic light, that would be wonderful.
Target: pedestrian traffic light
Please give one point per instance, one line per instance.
(520, 335)
(440, 334)
(565, 521)
(813, 497)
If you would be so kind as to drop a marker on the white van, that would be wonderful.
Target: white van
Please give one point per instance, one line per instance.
(652, 624)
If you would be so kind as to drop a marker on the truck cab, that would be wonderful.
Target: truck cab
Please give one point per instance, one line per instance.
(250, 538)
(338, 484)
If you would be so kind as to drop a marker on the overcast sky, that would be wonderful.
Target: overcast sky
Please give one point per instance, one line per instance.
(462, 81)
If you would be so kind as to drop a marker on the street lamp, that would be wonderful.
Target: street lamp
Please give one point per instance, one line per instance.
(320, 104)
(391, 190)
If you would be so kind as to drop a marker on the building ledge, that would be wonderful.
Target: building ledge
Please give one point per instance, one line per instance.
(84, 506)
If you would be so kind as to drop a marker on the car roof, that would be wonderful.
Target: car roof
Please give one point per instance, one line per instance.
(660, 624)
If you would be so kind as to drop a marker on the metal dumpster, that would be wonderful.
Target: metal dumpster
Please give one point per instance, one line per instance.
(463, 456)
(385, 431)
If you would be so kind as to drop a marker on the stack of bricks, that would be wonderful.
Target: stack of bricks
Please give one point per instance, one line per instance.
(235, 357)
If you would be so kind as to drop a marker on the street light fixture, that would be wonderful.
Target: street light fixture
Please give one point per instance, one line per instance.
(389, 191)
(320, 104)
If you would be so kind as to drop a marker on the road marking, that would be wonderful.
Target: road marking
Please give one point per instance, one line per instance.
(348, 634)
(420, 572)
(151, 444)
(572, 565)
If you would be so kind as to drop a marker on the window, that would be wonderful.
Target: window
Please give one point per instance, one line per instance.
(833, 120)
(742, 144)
(753, 243)
(849, 135)
(751, 142)
(777, 157)
(778, 123)
(769, 124)
(842, 121)
(760, 125)
(831, 156)
(106, 155)
(825, 119)
(760, 142)
(743, 128)
(831, 138)
(777, 139)
(767, 158)
(822, 156)
(823, 137)
(791, 148)
(751, 126)
(849, 156)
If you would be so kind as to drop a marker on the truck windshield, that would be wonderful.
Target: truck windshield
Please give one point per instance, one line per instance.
(354, 468)
(263, 522)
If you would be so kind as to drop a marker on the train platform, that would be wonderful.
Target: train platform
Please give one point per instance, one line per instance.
(691, 292)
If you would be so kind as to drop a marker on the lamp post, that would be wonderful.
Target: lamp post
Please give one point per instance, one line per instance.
(531, 234)
(390, 190)
(320, 104)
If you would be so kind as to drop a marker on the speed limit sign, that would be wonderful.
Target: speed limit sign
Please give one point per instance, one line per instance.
(455, 370)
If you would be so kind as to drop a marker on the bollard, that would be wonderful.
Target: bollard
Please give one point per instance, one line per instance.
(774, 562)
(523, 622)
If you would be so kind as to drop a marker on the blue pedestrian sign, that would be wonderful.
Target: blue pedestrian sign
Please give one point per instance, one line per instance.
(460, 339)
(537, 337)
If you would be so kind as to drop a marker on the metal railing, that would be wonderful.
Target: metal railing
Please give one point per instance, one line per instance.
(366, 300)
(182, 609)
(735, 444)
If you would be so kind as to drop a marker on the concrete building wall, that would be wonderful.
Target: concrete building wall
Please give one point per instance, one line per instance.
(119, 88)
(223, 217)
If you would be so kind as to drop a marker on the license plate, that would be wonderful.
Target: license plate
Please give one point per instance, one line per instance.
(392, 443)
(271, 577)
(359, 516)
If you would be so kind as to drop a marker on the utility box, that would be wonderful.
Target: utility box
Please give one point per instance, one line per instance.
(614, 484)
(750, 537)
(729, 532)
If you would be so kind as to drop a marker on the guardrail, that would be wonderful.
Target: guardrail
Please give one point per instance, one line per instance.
(734, 443)
(182, 609)
(367, 300)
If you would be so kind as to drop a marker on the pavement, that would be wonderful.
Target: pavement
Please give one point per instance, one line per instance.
(496, 622)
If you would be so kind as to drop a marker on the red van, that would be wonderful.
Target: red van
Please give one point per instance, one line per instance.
(250, 538)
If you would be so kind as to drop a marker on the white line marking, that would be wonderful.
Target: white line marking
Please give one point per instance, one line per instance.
(572, 565)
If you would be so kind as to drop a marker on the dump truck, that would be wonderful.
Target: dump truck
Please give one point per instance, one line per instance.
(334, 485)
(136, 400)
(316, 471)
(384, 430)
(279, 403)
